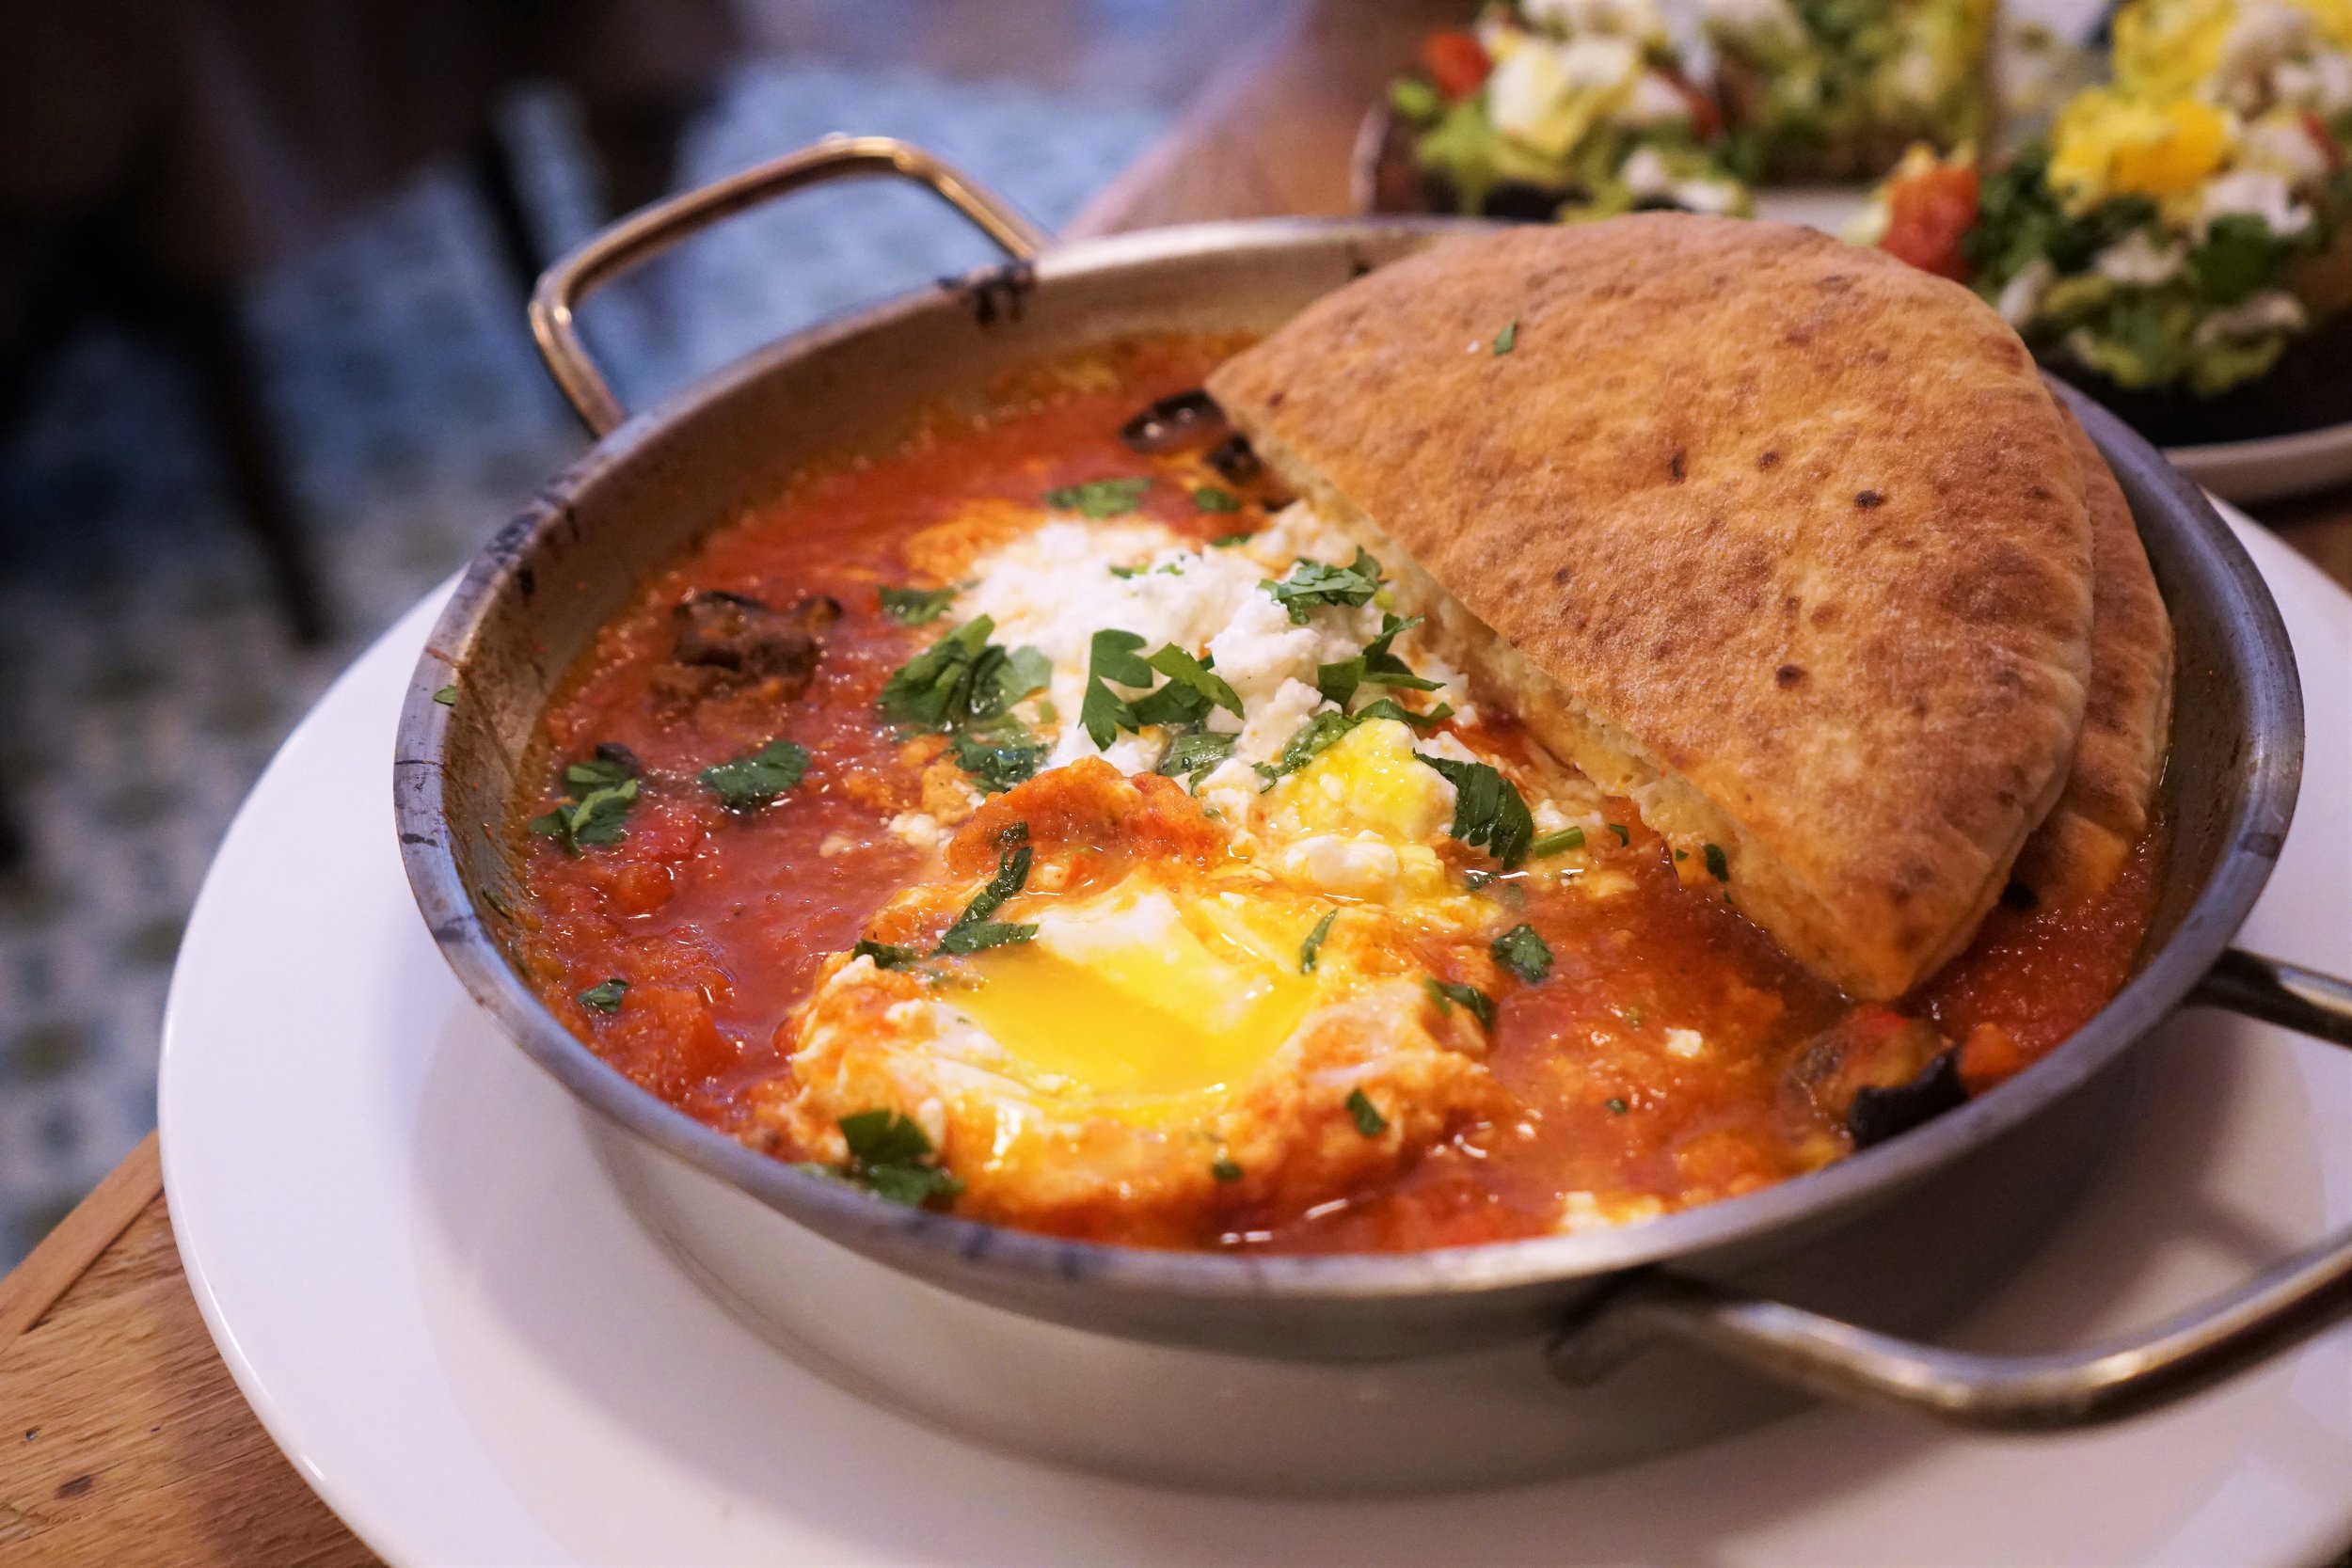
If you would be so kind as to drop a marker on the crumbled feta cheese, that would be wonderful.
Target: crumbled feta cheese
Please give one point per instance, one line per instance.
(2135, 259)
(2271, 311)
(2259, 195)
(918, 829)
(1688, 1044)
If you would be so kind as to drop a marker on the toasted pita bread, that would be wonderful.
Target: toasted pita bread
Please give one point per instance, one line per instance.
(1779, 537)
(2079, 848)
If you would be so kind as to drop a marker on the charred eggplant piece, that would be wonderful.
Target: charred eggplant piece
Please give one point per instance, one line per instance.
(726, 631)
(1877, 1115)
(1234, 458)
(1177, 421)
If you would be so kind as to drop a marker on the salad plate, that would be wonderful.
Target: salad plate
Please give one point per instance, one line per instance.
(421, 1276)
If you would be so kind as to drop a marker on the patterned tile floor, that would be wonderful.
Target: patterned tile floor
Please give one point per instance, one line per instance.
(146, 681)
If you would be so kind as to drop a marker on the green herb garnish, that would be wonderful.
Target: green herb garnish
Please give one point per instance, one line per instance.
(1617, 1106)
(1313, 583)
(964, 678)
(1314, 944)
(1224, 1169)
(1317, 736)
(1100, 497)
(1388, 708)
(1383, 667)
(885, 956)
(1369, 1121)
(605, 998)
(974, 930)
(1508, 339)
(1448, 993)
(998, 754)
(1488, 810)
(1208, 498)
(447, 696)
(1192, 754)
(1625, 835)
(1111, 656)
(1226, 542)
(1554, 844)
(916, 607)
(890, 1155)
(1523, 953)
(749, 782)
(1718, 864)
(1196, 674)
(596, 817)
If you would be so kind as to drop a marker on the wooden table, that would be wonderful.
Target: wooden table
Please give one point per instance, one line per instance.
(126, 1442)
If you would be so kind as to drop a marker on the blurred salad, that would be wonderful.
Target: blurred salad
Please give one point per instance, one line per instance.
(2178, 229)
(1572, 108)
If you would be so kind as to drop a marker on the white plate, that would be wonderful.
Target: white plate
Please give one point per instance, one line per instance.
(414, 1268)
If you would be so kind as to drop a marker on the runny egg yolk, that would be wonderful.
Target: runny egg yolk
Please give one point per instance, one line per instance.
(1144, 1004)
(2107, 145)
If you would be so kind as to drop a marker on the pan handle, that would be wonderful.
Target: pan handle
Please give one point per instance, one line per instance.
(2283, 1306)
(653, 229)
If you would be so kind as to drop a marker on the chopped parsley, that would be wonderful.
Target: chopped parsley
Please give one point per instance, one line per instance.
(890, 1155)
(1338, 682)
(998, 754)
(1100, 497)
(1523, 953)
(749, 782)
(1388, 708)
(885, 956)
(605, 998)
(1447, 993)
(1192, 754)
(1616, 1105)
(1383, 667)
(1314, 738)
(1196, 674)
(1488, 810)
(1209, 498)
(595, 817)
(1227, 542)
(961, 678)
(1311, 583)
(447, 696)
(1369, 1121)
(1112, 656)
(974, 930)
(1555, 844)
(1508, 339)
(1224, 1169)
(1625, 835)
(916, 607)
(1718, 865)
(1314, 944)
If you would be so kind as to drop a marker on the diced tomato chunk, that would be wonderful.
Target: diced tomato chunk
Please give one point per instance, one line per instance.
(1706, 116)
(1457, 62)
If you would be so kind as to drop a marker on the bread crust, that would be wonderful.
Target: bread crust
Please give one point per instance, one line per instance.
(2078, 850)
(1793, 533)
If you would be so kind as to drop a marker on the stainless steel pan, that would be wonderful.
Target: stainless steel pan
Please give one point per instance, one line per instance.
(652, 483)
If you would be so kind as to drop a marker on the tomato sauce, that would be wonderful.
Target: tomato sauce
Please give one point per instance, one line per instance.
(719, 921)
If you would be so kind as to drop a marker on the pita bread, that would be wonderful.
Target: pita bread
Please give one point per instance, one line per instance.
(1779, 537)
(2079, 848)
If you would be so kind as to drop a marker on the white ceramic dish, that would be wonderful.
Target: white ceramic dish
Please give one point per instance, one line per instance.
(413, 1265)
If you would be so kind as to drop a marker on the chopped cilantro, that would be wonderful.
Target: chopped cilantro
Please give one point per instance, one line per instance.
(1313, 583)
(497, 906)
(1682, 854)
(998, 754)
(1388, 708)
(962, 677)
(1100, 497)
(1617, 1106)
(1625, 835)
(751, 782)
(1127, 571)
(1447, 992)
(1314, 738)
(890, 1155)
(1383, 667)
(605, 998)
(1338, 682)
(1523, 953)
(916, 607)
(1488, 810)
(1554, 844)
(447, 696)
(1224, 1169)
(595, 817)
(885, 956)
(1508, 339)
(1208, 498)
(1112, 656)
(1314, 944)
(1369, 1121)
(1191, 754)
(1718, 865)
(1634, 1018)
(1226, 542)
(973, 930)
(1181, 668)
